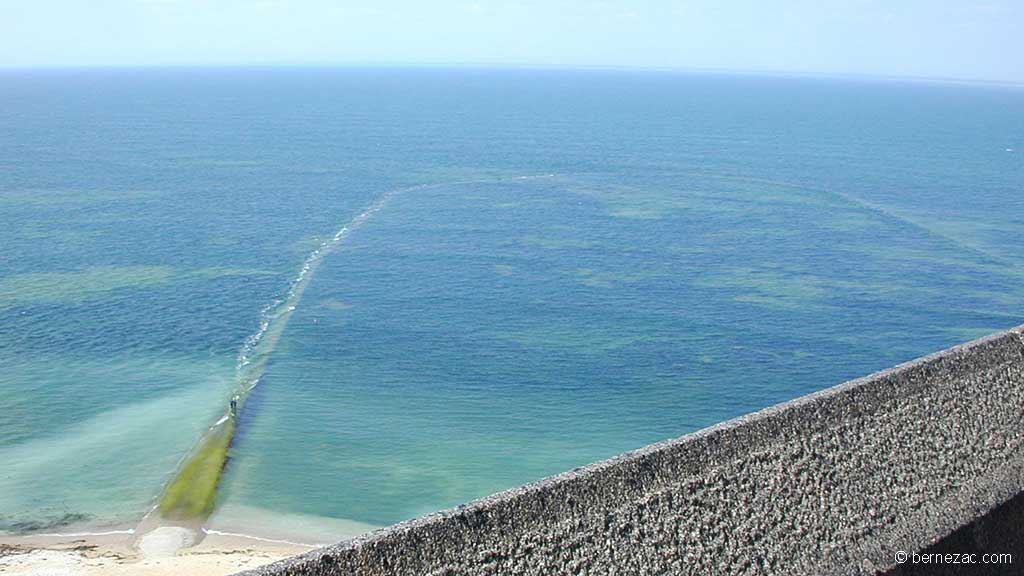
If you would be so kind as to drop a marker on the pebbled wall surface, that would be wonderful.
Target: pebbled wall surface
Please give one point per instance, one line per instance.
(831, 483)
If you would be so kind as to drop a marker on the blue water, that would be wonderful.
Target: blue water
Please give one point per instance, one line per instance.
(565, 265)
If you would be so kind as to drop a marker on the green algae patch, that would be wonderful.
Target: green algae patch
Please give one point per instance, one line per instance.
(579, 339)
(62, 198)
(193, 492)
(78, 286)
(335, 304)
(97, 282)
(563, 243)
(606, 279)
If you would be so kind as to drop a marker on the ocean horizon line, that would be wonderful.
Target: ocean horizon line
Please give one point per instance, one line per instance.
(522, 66)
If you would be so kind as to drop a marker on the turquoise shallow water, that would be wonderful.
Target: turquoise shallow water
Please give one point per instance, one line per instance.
(597, 260)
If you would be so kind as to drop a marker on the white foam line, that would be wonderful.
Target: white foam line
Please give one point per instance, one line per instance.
(79, 534)
(251, 537)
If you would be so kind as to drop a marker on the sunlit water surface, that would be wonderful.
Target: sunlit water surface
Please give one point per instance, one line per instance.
(563, 266)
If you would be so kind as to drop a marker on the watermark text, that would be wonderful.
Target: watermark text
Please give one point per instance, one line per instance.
(952, 558)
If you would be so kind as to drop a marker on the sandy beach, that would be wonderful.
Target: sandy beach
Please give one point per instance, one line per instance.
(123, 554)
(235, 538)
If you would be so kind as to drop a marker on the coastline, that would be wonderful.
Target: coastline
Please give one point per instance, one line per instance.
(115, 555)
(239, 539)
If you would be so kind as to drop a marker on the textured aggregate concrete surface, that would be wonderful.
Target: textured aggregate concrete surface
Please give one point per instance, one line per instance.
(999, 532)
(832, 483)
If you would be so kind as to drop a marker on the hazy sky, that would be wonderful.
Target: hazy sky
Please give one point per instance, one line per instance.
(935, 38)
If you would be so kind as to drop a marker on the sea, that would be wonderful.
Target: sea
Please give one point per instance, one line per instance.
(472, 278)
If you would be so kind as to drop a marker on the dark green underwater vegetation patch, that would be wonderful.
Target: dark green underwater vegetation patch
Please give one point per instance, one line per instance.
(964, 334)
(79, 286)
(638, 213)
(579, 339)
(550, 243)
(27, 526)
(607, 279)
(335, 304)
(64, 198)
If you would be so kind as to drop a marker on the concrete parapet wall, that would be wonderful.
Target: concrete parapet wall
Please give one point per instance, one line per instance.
(831, 483)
